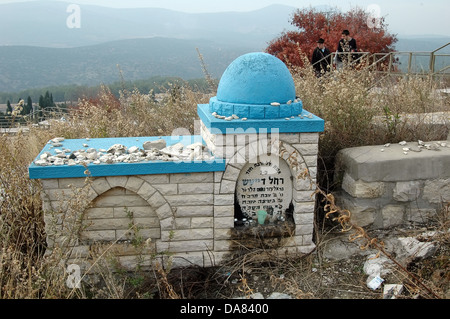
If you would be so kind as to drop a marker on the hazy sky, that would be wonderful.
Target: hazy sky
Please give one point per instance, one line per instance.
(404, 17)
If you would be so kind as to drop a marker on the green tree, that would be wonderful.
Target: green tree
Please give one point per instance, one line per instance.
(8, 107)
(28, 108)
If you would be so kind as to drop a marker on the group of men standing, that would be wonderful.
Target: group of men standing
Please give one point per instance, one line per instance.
(321, 58)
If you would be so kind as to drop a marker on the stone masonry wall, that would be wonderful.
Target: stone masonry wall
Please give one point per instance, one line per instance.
(395, 185)
(188, 216)
(299, 150)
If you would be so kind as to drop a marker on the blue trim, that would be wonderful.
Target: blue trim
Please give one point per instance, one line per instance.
(255, 111)
(293, 125)
(124, 169)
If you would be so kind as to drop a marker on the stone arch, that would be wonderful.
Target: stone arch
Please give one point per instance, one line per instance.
(302, 183)
(145, 192)
(247, 153)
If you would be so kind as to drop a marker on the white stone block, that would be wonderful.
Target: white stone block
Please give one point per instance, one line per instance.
(393, 215)
(437, 190)
(361, 189)
(291, 138)
(100, 185)
(223, 222)
(231, 173)
(146, 190)
(190, 200)
(72, 182)
(157, 200)
(224, 211)
(307, 149)
(227, 187)
(117, 181)
(167, 189)
(156, 178)
(207, 177)
(192, 211)
(134, 183)
(164, 211)
(407, 191)
(202, 222)
(309, 138)
(195, 188)
(49, 183)
(221, 200)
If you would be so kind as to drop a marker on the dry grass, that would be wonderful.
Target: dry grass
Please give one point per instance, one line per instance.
(348, 102)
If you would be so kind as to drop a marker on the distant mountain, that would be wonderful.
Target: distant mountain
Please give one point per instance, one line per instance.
(44, 23)
(38, 49)
(24, 67)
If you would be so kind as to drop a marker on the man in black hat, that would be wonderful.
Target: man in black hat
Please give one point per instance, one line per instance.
(321, 58)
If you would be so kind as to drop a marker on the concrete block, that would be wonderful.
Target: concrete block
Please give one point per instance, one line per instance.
(291, 138)
(120, 201)
(420, 215)
(437, 190)
(187, 200)
(183, 223)
(361, 189)
(100, 185)
(99, 213)
(223, 222)
(71, 182)
(224, 211)
(309, 138)
(146, 191)
(164, 211)
(117, 181)
(134, 183)
(167, 189)
(192, 211)
(369, 164)
(49, 183)
(98, 235)
(157, 200)
(202, 222)
(221, 200)
(393, 215)
(195, 188)
(307, 149)
(304, 207)
(207, 177)
(227, 187)
(304, 219)
(155, 178)
(407, 191)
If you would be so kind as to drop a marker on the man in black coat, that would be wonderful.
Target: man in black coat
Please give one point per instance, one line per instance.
(321, 58)
(346, 45)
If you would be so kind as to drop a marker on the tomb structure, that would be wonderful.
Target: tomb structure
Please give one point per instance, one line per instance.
(247, 180)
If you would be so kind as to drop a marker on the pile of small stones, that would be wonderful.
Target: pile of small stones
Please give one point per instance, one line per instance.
(435, 146)
(151, 151)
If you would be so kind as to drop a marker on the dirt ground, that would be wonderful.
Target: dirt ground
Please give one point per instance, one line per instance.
(258, 274)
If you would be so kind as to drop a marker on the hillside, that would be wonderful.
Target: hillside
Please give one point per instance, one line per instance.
(32, 67)
(40, 50)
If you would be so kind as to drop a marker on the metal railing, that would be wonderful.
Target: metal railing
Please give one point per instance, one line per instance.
(12, 124)
(397, 62)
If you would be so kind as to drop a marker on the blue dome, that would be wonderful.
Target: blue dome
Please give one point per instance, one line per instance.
(253, 82)
(256, 78)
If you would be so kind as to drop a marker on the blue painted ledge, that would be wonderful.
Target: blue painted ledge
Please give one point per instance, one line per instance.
(124, 169)
(308, 123)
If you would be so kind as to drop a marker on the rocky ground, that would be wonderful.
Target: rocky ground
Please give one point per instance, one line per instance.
(337, 269)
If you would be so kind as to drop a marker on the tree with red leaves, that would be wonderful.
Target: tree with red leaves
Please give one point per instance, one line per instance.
(371, 36)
